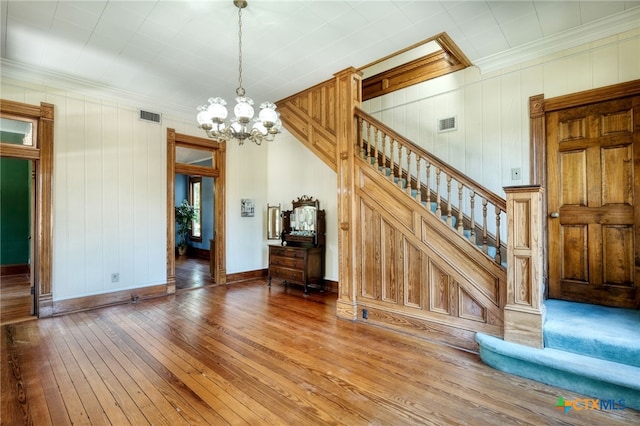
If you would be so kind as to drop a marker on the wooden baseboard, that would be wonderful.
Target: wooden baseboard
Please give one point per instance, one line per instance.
(114, 298)
(14, 269)
(448, 335)
(247, 275)
(331, 286)
(198, 252)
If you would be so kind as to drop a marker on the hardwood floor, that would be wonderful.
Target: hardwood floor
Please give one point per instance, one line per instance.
(15, 298)
(192, 272)
(247, 354)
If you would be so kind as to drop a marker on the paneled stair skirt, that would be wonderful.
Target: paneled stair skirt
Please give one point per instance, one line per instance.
(591, 350)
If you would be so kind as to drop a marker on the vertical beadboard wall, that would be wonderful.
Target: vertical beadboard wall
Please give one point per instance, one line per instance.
(295, 171)
(492, 109)
(109, 192)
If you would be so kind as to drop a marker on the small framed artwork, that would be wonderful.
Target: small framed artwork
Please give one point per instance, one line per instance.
(247, 207)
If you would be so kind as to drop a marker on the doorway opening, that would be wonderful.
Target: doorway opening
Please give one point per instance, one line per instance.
(26, 144)
(196, 164)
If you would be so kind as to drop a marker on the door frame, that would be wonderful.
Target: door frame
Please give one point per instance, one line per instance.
(539, 107)
(42, 233)
(218, 172)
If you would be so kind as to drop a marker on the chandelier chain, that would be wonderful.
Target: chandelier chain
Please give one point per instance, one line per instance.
(240, 90)
(212, 118)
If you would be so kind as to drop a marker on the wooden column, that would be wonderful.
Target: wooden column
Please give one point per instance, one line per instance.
(44, 212)
(524, 310)
(171, 224)
(349, 95)
(220, 225)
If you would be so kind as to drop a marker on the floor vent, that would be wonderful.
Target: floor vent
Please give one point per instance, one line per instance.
(150, 116)
(447, 124)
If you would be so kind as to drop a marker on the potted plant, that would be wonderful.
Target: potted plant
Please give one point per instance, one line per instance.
(185, 214)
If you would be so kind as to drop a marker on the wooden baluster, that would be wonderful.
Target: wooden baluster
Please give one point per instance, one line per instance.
(384, 158)
(367, 150)
(400, 168)
(498, 255)
(428, 176)
(484, 225)
(438, 209)
(449, 217)
(473, 220)
(375, 148)
(392, 160)
(418, 182)
(408, 186)
(460, 215)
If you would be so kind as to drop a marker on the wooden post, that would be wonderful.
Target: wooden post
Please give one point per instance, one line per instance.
(349, 94)
(524, 310)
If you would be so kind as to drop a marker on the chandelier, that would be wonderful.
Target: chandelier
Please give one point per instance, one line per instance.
(212, 116)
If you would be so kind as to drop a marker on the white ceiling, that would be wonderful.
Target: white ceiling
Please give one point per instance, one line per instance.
(183, 52)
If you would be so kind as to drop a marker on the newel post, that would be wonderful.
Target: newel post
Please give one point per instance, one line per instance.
(524, 310)
(349, 95)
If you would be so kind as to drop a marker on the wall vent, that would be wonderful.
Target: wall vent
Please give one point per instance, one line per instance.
(447, 124)
(150, 116)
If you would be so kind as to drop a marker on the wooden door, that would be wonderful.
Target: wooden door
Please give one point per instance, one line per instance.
(593, 184)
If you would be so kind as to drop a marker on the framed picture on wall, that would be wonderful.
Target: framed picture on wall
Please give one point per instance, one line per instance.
(247, 207)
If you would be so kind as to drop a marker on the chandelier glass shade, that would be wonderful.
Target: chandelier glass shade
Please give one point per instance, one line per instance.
(212, 117)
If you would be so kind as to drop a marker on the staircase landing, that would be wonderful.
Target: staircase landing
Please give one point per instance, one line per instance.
(592, 350)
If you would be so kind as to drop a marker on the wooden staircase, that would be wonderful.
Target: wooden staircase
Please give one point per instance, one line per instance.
(420, 243)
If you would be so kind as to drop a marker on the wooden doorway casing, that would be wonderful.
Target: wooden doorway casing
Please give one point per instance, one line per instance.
(216, 171)
(42, 233)
(540, 111)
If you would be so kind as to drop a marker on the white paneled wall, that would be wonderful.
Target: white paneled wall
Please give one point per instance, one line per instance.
(295, 171)
(109, 192)
(492, 109)
(246, 178)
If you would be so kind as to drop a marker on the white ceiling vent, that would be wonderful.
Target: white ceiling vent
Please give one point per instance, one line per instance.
(150, 116)
(447, 124)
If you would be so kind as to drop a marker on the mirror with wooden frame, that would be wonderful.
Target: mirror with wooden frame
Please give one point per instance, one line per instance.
(304, 224)
(274, 222)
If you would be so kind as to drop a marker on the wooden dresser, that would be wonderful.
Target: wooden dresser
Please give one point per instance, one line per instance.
(300, 257)
(297, 265)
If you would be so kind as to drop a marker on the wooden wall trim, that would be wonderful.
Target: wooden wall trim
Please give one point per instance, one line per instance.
(61, 307)
(171, 223)
(448, 59)
(42, 155)
(14, 270)
(218, 172)
(538, 109)
(630, 88)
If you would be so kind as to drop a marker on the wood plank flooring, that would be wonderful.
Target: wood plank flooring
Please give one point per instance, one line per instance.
(247, 354)
(192, 272)
(15, 298)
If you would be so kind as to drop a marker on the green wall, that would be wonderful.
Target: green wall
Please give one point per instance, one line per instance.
(14, 211)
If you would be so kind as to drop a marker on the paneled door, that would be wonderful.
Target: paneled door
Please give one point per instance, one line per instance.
(593, 184)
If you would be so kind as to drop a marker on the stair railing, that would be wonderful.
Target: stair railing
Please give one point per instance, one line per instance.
(437, 186)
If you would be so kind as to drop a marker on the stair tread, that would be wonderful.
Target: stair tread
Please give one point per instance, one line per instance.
(595, 368)
(596, 331)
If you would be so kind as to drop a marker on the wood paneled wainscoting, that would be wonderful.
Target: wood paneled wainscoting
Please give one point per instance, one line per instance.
(247, 354)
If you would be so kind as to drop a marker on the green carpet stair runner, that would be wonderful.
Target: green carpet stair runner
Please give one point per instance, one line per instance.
(592, 350)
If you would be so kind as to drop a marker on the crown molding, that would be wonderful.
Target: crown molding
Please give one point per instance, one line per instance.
(89, 89)
(602, 28)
